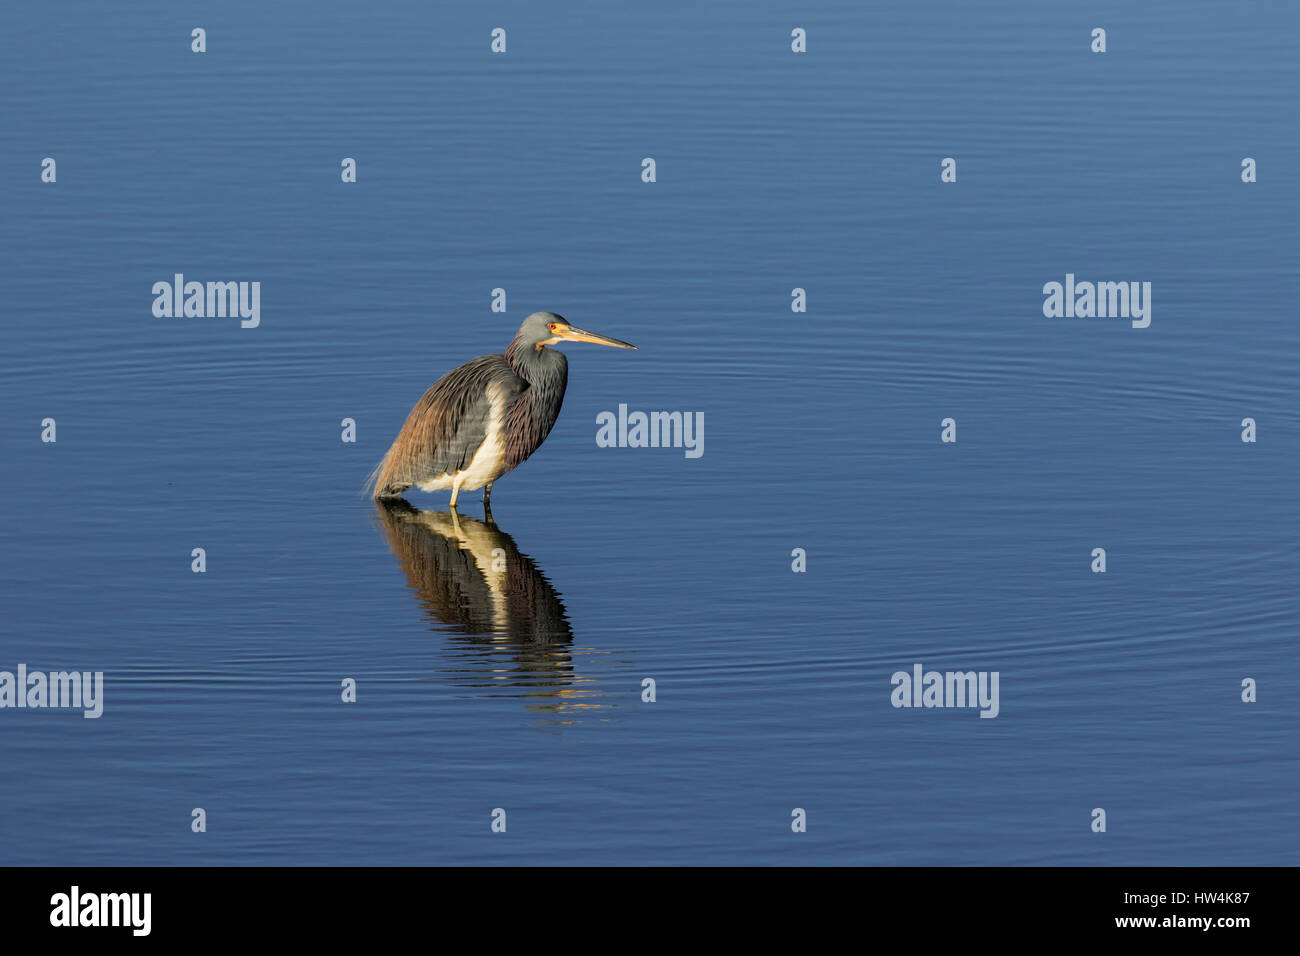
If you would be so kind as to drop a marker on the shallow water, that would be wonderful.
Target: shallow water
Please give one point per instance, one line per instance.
(521, 689)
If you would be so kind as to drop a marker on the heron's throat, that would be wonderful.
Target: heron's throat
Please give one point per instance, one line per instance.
(543, 369)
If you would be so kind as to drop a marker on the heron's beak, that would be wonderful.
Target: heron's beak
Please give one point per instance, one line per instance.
(570, 334)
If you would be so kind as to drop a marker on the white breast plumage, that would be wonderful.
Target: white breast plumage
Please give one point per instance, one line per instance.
(488, 461)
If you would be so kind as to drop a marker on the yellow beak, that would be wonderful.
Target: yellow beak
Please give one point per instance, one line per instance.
(569, 334)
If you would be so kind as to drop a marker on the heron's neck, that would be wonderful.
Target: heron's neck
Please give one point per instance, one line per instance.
(544, 369)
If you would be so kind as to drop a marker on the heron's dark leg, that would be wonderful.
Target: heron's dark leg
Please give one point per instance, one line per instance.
(487, 500)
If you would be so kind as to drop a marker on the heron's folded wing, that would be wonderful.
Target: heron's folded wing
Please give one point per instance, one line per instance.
(449, 422)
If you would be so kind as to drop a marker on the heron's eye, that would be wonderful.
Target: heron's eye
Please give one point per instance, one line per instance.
(551, 326)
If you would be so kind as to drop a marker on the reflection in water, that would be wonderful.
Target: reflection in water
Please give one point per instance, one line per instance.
(473, 582)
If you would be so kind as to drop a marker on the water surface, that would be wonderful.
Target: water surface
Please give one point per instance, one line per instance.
(521, 689)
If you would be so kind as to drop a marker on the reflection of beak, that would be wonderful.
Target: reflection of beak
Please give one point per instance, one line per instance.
(570, 334)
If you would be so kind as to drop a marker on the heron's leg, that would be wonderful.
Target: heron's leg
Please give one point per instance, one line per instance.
(454, 492)
(487, 501)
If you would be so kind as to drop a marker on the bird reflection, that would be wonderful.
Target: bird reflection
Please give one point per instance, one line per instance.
(473, 582)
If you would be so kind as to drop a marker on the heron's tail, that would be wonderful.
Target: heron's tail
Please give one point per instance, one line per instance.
(381, 483)
(372, 480)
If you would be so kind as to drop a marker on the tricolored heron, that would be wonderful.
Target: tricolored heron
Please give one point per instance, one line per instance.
(485, 418)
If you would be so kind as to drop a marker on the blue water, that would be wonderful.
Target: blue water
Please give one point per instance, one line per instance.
(775, 170)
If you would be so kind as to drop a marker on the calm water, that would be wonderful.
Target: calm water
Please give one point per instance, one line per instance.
(222, 690)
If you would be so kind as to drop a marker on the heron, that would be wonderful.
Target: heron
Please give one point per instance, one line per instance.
(484, 419)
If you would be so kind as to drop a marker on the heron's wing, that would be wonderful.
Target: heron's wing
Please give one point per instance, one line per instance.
(448, 424)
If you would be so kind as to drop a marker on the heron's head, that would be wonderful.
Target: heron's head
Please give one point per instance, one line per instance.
(546, 328)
